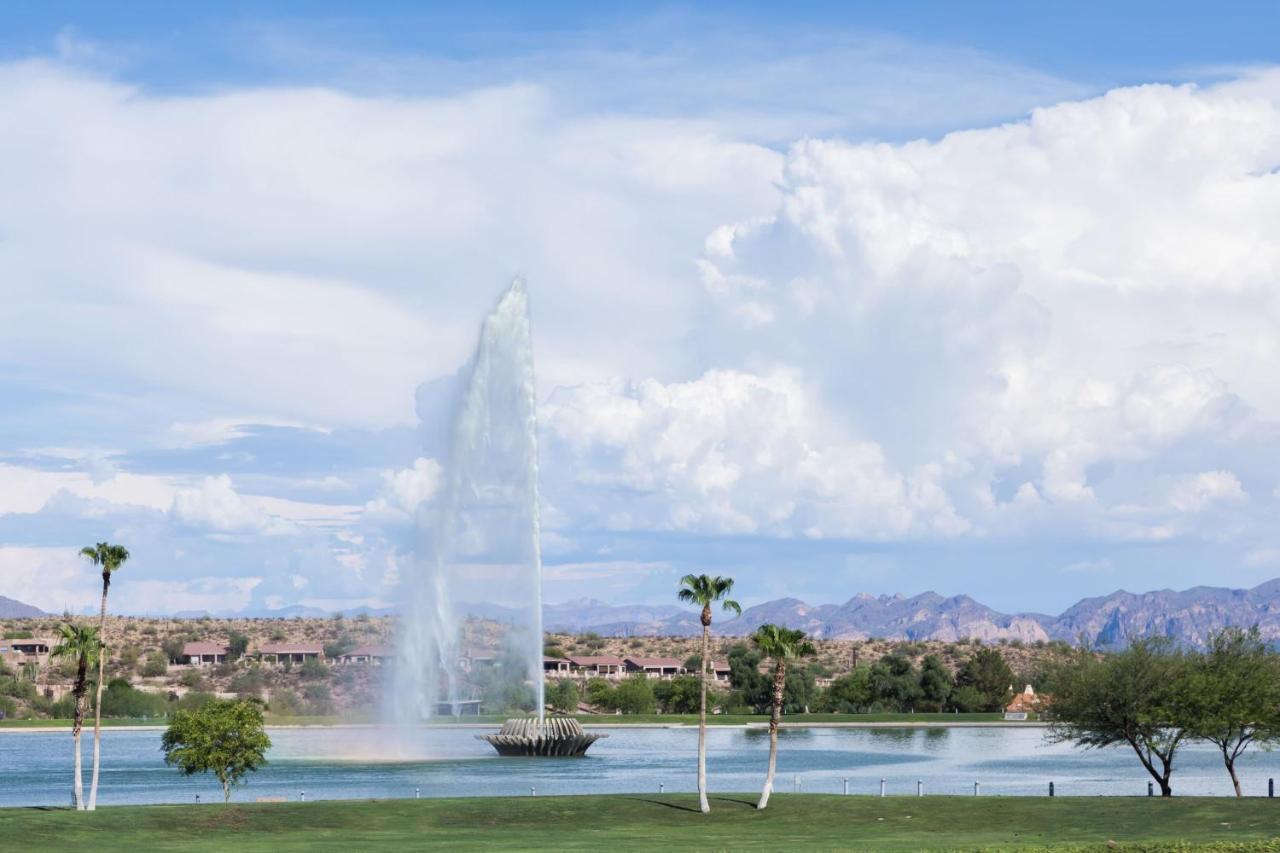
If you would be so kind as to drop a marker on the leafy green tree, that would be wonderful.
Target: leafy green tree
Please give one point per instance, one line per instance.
(936, 683)
(895, 684)
(849, 693)
(966, 699)
(782, 645)
(680, 695)
(635, 696)
(121, 699)
(599, 693)
(987, 673)
(1137, 697)
(703, 591)
(1233, 700)
(109, 558)
(80, 644)
(750, 685)
(563, 694)
(223, 737)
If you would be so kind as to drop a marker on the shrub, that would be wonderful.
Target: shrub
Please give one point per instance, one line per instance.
(319, 700)
(635, 696)
(313, 669)
(250, 683)
(120, 699)
(194, 700)
(194, 679)
(339, 647)
(172, 647)
(157, 664)
(285, 703)
(18, 635)
(237, 645)
(129, 656)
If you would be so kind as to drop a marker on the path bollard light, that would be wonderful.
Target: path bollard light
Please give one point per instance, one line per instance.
(1151, 789)
(919, 787)
(846, 786)
(882, 787)
(975, 789)
(1271, 787)
(197, 799)
(1051, 789)
(417, 793)
(302, 795)
(533, 792)
(660, 787)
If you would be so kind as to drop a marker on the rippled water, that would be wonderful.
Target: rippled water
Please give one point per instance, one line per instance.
(35, 768)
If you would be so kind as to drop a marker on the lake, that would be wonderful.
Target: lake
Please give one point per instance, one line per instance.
(333, 763)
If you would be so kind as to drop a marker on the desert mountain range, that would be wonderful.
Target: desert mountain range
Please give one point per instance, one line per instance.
(1108, 621)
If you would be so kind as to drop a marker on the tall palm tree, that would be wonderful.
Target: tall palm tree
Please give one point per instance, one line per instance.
(109, 558)
(703, 591)
(781, 644)
(82, 644)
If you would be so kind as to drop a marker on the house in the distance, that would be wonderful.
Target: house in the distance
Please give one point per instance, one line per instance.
(281, 653)
(203, 654)
(20, 652)
(557, 667)
(655, 667)
(719, 671)
(474, 659)
(375, 655)
(598, 666)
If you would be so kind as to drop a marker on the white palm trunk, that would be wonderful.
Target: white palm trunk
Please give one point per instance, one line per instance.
(702, 716)
(97, 704)
(77, 787)
(775, 719)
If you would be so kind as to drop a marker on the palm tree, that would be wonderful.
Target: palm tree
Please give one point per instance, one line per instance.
(703, 591)
(82, 644)
(781, 644)
(109, 557)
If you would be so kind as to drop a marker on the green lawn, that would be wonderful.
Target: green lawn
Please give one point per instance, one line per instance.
(586, 719)
(667, 823)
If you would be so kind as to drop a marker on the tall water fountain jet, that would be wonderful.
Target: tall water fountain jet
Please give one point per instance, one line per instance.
(480, 541)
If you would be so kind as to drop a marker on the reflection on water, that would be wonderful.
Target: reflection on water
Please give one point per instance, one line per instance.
(35, 768)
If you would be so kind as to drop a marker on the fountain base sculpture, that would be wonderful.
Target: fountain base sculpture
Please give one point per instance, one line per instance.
(556, 736)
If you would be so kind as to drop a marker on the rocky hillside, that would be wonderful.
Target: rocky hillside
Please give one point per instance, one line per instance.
(10, 609)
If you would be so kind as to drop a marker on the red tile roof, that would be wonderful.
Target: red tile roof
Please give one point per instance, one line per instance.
(371, 652)
(291, 649)
(655, 663)
(596, 660)
(198, 649)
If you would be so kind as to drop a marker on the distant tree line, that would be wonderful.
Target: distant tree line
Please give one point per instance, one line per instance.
(893, 684)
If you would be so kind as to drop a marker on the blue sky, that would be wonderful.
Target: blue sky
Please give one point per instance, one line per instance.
(850, 297)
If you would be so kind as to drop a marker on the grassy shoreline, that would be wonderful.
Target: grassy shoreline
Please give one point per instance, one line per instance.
(940, 720)
(627, 822)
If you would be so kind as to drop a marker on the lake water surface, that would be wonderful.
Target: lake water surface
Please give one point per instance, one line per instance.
(35, 767)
